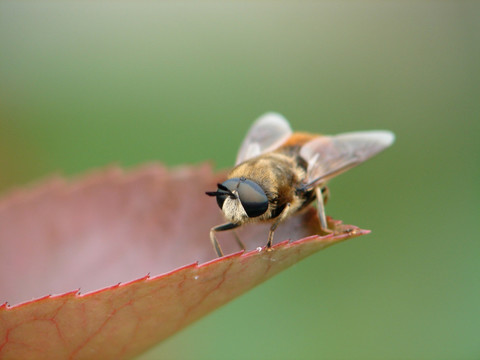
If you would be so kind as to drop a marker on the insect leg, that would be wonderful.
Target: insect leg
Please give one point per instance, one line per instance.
(213, 239)
(238, 240)
(326, 194)
(321, 208)
(280, 218)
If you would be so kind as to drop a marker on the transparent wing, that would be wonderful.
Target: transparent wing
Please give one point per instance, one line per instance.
(328, 156)
(267, 133)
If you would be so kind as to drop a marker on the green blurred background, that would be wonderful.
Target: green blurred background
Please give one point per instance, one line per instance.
(85, 84)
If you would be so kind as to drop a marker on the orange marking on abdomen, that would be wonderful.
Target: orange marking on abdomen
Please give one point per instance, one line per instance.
(299, 138)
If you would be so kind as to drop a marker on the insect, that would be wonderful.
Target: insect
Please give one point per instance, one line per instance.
(278, 173)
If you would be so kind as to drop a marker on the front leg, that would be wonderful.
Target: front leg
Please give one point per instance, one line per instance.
(280, 218)
(213, 239)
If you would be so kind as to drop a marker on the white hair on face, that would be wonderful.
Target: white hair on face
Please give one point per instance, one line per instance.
(233, 210)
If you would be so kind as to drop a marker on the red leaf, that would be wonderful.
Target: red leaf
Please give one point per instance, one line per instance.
(113, 227)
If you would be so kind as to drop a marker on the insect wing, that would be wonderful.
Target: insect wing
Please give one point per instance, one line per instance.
(266, 134)
(329, 156)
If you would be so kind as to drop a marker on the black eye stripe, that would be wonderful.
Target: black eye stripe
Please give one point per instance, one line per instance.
(221, 199)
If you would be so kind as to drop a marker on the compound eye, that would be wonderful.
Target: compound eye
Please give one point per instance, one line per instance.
(253, 198)
(230, 184)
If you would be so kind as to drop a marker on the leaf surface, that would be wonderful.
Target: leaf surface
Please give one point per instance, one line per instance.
(127, 260)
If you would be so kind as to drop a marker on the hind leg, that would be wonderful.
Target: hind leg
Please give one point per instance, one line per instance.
(321, 200)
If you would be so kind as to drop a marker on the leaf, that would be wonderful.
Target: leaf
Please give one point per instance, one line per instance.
(112, 227)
